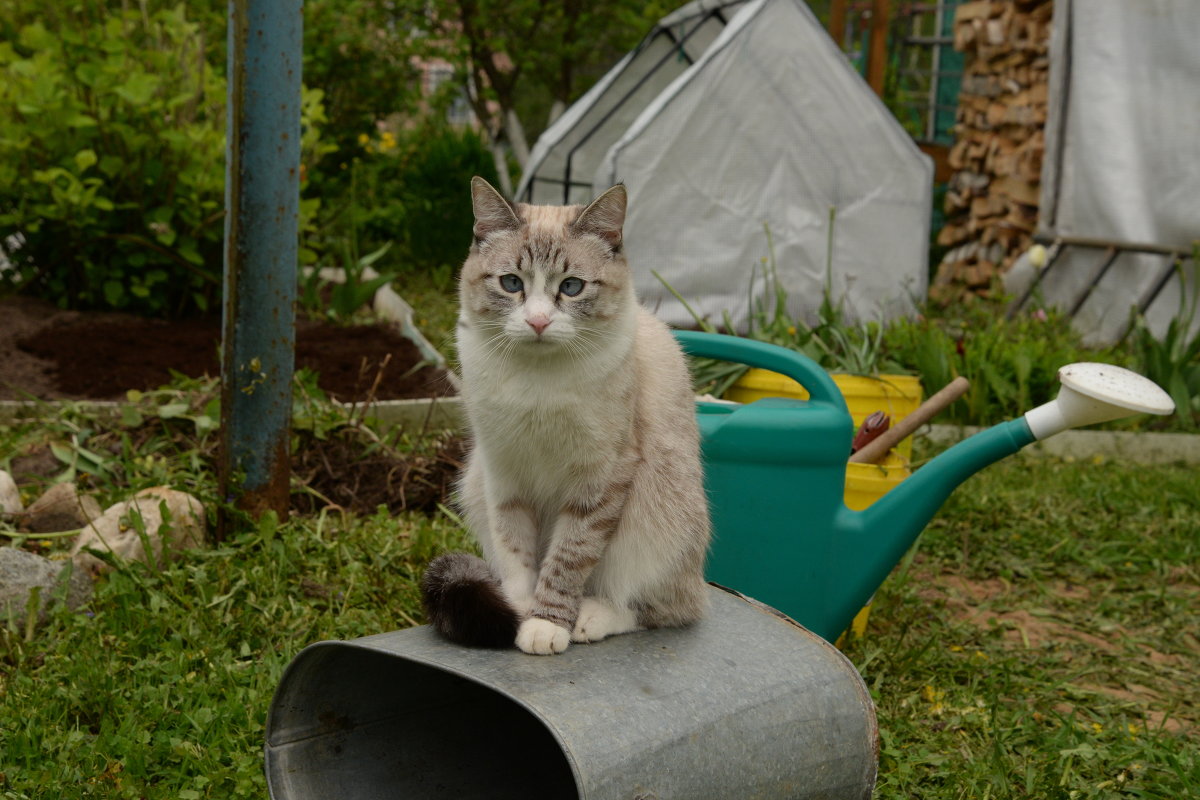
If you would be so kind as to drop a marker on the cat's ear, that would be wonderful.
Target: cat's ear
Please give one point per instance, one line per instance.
(604, 217)
(492, 212)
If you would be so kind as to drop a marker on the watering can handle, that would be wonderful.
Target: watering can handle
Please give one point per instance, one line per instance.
(798, 367)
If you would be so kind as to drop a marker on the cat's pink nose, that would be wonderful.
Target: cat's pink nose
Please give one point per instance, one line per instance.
(539, 323)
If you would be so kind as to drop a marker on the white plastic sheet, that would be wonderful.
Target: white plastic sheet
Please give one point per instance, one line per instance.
(772, 127)
(566, 155)
(1122, 153)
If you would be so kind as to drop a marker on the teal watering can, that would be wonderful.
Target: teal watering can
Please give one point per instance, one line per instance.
(775, 473)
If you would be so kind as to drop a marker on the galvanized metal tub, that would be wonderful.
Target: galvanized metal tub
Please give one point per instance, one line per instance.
(745, 704)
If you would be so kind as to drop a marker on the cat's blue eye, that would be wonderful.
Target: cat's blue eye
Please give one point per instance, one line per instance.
(571, 286)
(511, 283)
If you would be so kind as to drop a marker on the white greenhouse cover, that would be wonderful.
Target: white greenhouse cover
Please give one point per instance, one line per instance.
(1122, 153)
(771, 129)
(565, 158)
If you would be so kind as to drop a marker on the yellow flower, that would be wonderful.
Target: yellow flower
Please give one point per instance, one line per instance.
(791, 330)
(934, 698)
(1097, 727)
(363, 139)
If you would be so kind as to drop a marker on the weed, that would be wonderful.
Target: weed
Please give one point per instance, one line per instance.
(1173, 361)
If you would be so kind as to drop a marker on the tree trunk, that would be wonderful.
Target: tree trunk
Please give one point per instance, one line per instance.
(515, 132)
(501, 161)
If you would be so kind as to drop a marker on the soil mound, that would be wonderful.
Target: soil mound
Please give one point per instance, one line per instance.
(53, 355)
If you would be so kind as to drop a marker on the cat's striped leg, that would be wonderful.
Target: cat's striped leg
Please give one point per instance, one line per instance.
(580, 537)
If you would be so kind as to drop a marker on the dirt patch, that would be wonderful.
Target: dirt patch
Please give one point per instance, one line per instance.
(355, 471)
(982, 603)
(52, 354)
(971, 600)
(351, 469)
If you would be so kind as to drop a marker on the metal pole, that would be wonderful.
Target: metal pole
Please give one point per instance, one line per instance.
(262, 195)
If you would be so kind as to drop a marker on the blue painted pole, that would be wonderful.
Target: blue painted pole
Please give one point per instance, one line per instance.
(262, 196)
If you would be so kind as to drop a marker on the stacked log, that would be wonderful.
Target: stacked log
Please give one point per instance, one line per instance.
(991, 200)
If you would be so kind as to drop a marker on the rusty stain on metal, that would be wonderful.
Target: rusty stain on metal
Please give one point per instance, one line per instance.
(258, 333)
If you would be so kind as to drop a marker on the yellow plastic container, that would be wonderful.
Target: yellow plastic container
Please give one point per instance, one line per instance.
(866, 483)
(895, 395)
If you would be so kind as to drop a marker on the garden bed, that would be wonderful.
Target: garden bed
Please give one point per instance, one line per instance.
(49, 354)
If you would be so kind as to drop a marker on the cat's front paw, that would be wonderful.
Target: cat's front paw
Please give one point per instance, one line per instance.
(598, 620)
(541, 637)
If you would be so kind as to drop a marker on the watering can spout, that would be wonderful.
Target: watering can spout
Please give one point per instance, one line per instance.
(1090, 393)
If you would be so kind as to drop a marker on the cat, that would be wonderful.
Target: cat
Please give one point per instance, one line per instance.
(583, 482)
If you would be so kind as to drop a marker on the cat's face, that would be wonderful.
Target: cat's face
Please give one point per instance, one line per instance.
(545, 278)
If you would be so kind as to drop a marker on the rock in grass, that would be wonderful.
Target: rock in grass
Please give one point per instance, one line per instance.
(10, 497)
(21, 572)
(61, 508)
(120, 530)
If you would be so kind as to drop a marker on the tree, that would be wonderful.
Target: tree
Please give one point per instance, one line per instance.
(524, 60)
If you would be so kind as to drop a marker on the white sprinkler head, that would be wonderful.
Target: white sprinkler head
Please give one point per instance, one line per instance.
(1094, 393)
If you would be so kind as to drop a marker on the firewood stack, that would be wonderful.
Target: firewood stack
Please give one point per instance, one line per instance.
(992, 199)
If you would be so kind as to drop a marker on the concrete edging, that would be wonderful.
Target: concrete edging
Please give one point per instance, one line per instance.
(1130, 446)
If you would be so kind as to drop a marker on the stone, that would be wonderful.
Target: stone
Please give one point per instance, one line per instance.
(22, 571)
(61, 508)
(115, 532)
(10, 496)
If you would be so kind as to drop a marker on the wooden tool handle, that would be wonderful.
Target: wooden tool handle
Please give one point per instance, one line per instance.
(877, 449)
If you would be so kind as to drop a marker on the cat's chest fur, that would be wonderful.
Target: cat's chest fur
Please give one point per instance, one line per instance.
(545, 423)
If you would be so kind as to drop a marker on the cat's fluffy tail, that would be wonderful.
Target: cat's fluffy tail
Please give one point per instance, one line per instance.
(464, 602)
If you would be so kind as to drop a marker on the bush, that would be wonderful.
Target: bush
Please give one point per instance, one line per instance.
(111, 146)
(1012, 364)
(112, 157)
(412, 190)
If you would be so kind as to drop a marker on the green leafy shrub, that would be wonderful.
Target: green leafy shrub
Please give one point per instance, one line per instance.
(365, 69)
(1012, 364)
(1173, 360)
(111, 154)
(412, 189)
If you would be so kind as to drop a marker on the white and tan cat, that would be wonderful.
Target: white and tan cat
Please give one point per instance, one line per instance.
(583, 484)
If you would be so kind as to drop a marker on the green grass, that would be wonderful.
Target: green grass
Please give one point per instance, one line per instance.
(162, 690)
(1040, 643)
